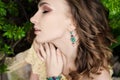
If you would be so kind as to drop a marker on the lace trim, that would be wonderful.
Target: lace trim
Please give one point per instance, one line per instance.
(38, 67)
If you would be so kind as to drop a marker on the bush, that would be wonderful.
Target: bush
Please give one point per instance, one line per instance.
(14, 25)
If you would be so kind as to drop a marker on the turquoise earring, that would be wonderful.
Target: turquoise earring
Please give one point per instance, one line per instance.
(72, 38)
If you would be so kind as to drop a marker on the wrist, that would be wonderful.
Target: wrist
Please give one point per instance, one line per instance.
(53, 75)
(54, 78)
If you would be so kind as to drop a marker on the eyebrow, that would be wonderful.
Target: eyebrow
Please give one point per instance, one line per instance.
(42, 3)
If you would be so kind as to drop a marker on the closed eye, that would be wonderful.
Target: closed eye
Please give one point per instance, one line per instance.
(45, 12)
(46, 9)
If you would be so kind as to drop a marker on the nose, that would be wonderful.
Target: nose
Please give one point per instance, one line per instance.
(34, 18)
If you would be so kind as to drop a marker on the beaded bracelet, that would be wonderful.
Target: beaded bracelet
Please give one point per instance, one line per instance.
(54, 78)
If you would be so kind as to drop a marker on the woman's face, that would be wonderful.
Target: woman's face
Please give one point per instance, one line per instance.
(51, 20)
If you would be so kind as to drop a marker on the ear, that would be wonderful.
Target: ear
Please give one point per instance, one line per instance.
(71, 25)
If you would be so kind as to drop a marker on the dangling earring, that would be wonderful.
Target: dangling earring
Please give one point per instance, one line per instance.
(73, 40)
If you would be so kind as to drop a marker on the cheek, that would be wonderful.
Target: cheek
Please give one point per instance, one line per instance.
(54, 22)
(53, 27)
(56, 25)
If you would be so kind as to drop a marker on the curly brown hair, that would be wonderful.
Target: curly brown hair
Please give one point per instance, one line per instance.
(91, 19)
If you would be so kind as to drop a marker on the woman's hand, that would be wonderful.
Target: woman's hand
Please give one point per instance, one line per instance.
(53, 59)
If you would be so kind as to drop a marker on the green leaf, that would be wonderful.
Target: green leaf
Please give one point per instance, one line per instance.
(20, 33)
(27, 26)
(30, 1)
(8, 34)
(2, 4)
(2, 20)
(12, 8)
(3, 68)
(3, 12)
(0, 27)
(7, 49)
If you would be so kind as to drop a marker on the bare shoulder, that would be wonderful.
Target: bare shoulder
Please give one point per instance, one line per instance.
(105, 75)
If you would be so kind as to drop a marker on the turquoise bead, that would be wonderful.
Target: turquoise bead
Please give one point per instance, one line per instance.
(73, 39)
(54, 78)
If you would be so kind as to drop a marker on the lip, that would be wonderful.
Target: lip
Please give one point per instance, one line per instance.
(37, 31)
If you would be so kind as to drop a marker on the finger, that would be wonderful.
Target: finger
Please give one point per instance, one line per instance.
(47, 48)
(40, 57)
(42, 51)
(53, 51)
(59, 57)
(64, 60)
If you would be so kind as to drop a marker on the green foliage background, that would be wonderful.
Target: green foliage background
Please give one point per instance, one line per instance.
(114, 18)
(14, 24)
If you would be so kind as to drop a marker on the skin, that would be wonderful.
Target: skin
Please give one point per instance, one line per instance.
(52, 24)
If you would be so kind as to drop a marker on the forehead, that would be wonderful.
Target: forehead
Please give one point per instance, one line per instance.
(54, 3)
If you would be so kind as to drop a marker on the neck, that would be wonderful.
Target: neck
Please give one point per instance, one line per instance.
(69, 51)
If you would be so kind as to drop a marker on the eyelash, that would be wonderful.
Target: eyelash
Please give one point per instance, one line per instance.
(44, 12)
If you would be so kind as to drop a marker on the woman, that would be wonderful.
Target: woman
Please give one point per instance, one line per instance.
(72, 40)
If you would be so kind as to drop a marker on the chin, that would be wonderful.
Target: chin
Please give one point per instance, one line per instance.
(41, 40)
